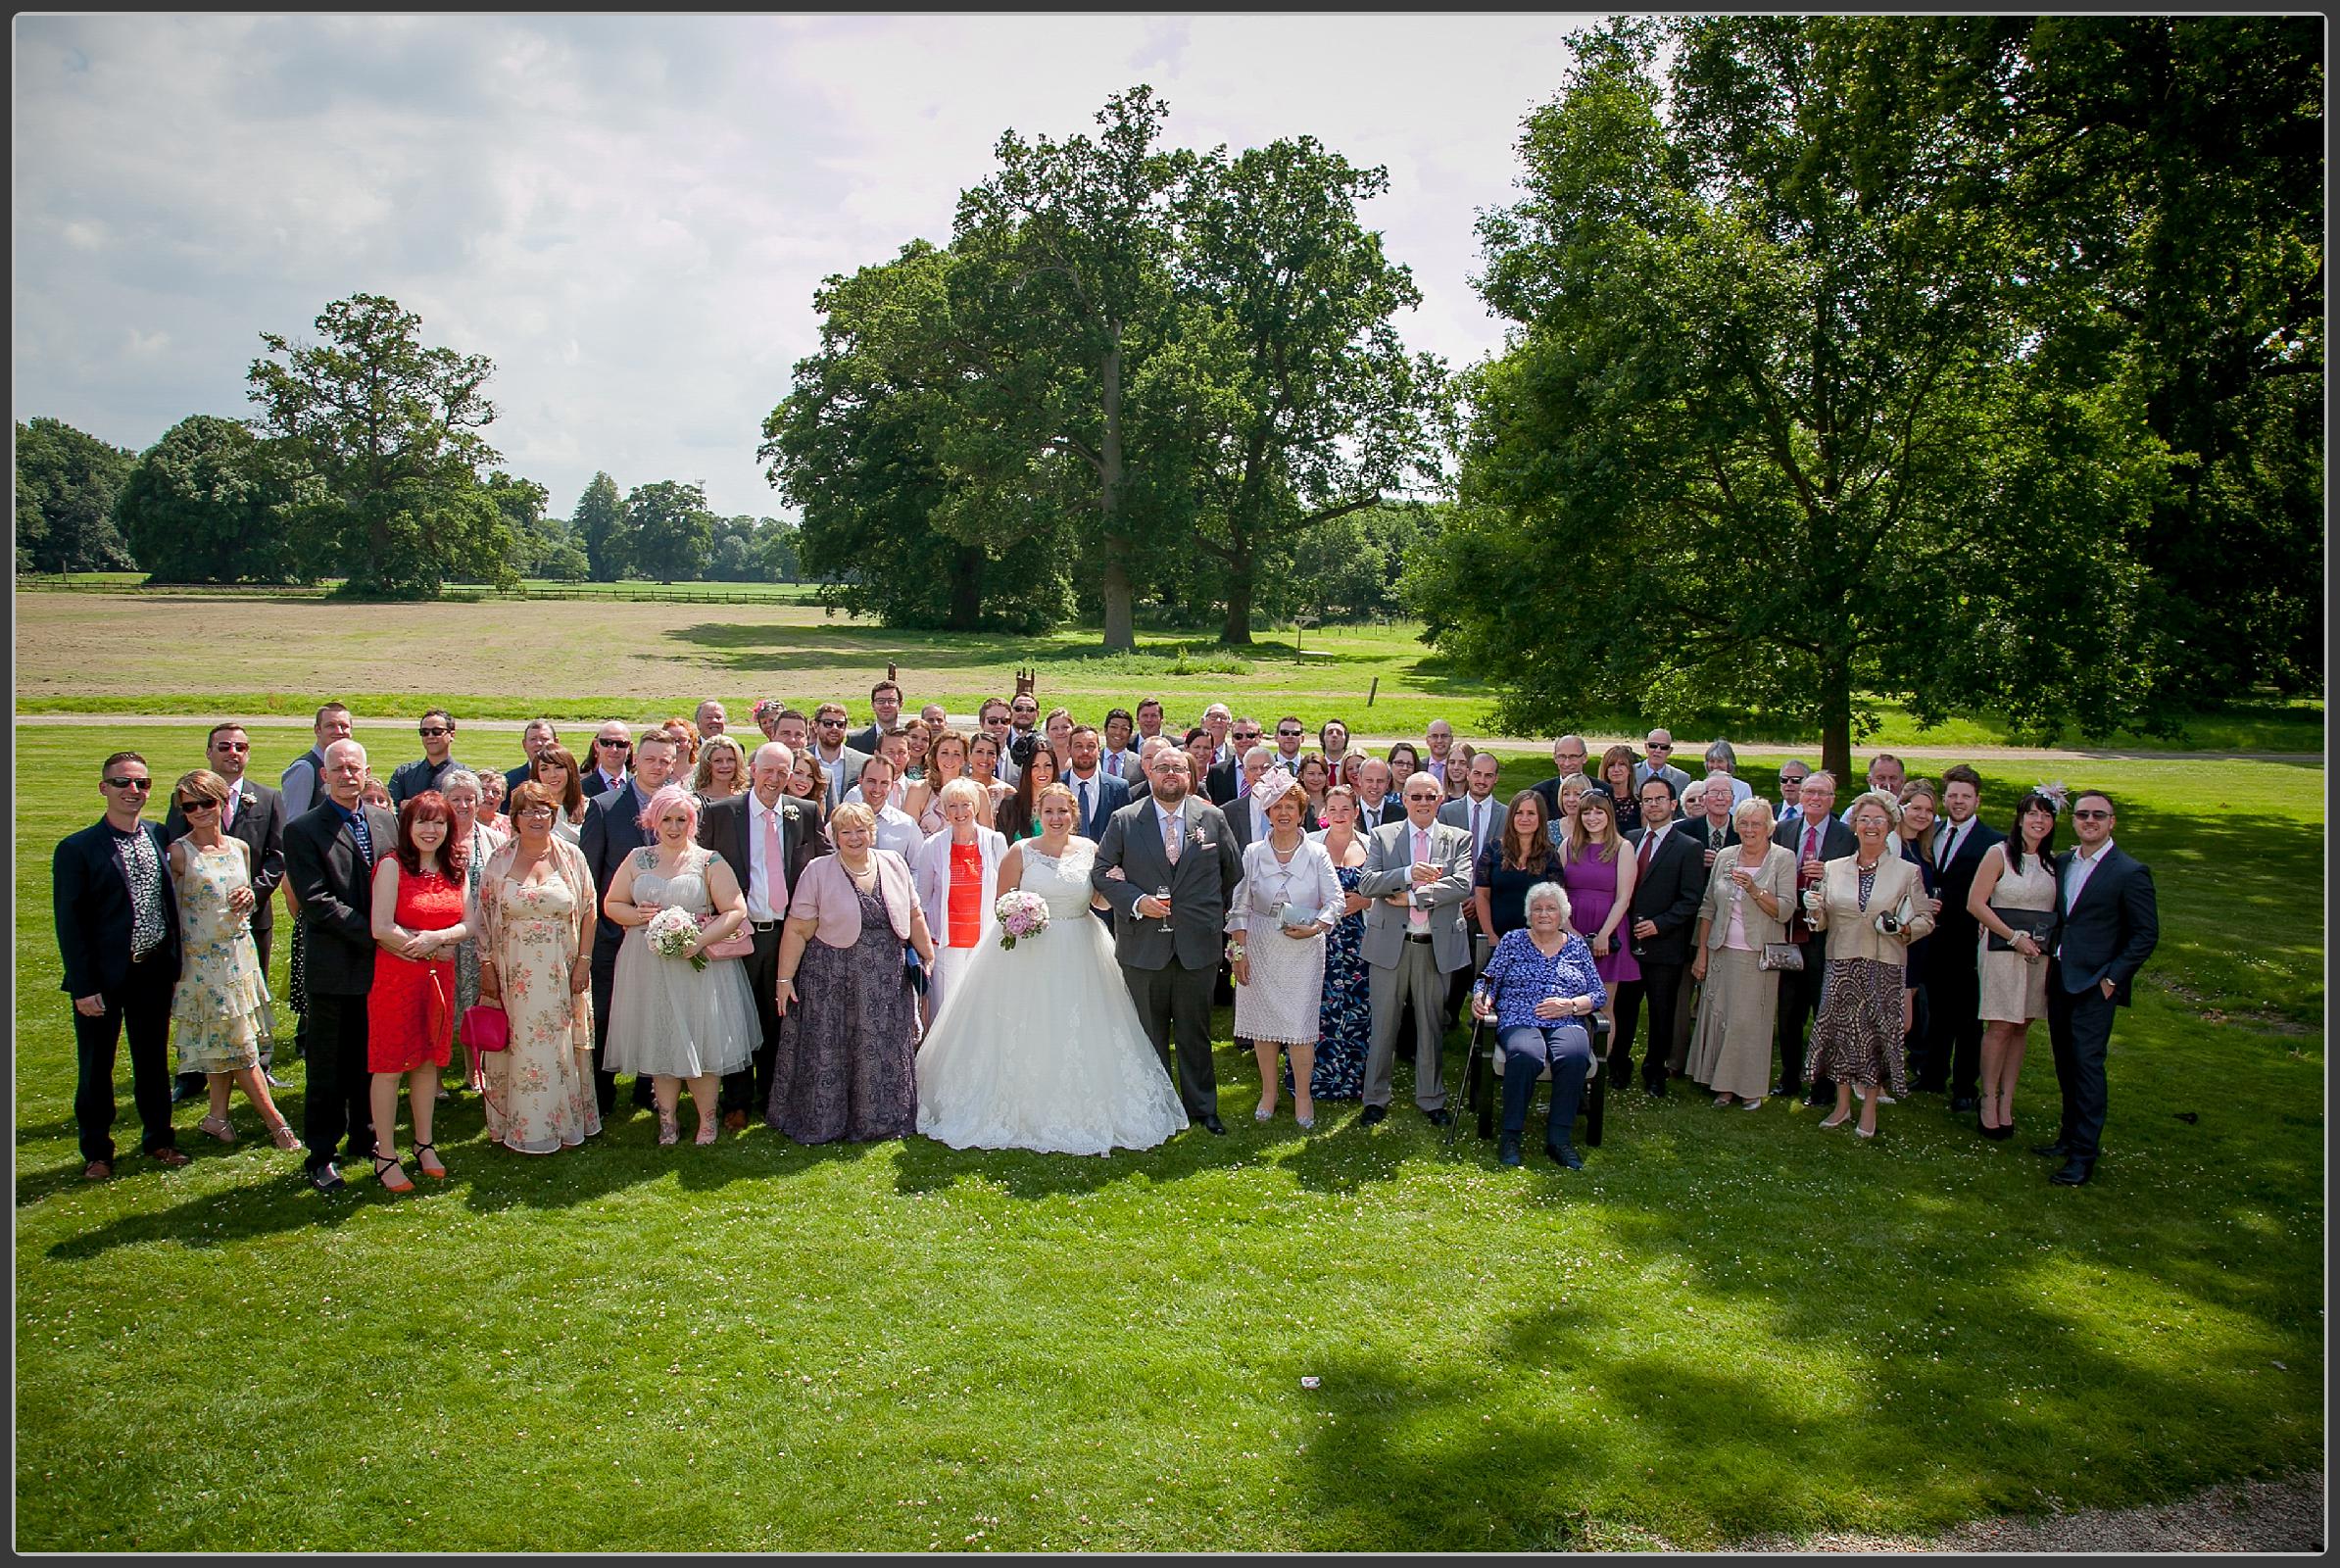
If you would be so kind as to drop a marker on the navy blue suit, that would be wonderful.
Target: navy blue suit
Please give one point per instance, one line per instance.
(94, 916)
(2108, 934)
(612, 830)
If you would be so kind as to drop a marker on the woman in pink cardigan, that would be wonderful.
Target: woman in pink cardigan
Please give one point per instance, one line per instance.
(849, 1020)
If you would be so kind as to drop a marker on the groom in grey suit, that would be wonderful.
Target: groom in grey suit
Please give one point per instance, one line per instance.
(1418, 873)
(1170, 972)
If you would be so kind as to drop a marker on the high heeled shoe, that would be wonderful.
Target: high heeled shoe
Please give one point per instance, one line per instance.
(217, 1127)
(386, 1166)
(432, 1149)
(1264, 1114)
(283, 1137)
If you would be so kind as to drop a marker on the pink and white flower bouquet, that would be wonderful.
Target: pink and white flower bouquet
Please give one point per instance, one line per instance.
(1020, 914)
(673, 933)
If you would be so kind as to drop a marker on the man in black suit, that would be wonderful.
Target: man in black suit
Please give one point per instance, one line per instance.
(885, 700)
(1670, 881)
(745, 829)
(1816, 837)
(1568, 756)
(1712, 829)
(1227, 781)
(1097, 792)
(253, 814)
(1378, 805)
(330, 852)
(2111, 924)
(612, 830)
(118, 933)
(607, 766)
(409, 780)
(539, 735)
(1951, 1048)
(1244, 817)
(1140, 775)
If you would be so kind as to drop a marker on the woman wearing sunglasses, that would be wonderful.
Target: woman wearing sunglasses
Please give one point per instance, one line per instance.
(221, 1003)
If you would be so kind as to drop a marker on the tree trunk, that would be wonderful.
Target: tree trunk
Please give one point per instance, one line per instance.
(1835, 723)
(1120, 594)
(1238, 630)
(966, 590)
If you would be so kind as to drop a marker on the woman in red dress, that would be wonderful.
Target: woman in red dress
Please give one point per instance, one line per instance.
(419, 917)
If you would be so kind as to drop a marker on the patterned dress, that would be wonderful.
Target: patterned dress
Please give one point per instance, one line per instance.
(846, 1063)
(1857, 1037)
(1345, 1021)
(539, 1090)
(221, 1005)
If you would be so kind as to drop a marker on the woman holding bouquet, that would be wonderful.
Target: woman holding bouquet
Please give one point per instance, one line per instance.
(675, 1014)
(1085, 1083)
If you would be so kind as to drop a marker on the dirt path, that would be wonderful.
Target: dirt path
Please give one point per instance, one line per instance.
(2248, 1516)
(1506, 743)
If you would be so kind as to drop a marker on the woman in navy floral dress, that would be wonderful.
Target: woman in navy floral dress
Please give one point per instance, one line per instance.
(1344, 1023)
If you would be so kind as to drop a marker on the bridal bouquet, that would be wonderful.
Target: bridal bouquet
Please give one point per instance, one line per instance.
(1021, 914)
(673, 933)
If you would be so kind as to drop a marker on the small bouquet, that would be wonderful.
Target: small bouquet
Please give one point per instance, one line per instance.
(1020, 914)
(673, 933)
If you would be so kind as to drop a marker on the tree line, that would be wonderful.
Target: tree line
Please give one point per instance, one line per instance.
(365, 462)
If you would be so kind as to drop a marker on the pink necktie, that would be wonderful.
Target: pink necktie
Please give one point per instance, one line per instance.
(1170, 837)
(774, 879)
(1418, 917)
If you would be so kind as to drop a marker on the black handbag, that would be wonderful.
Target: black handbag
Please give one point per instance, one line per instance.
(2040, 924)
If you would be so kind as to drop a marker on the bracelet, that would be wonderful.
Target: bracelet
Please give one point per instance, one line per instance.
(787, 980)
(1236, 951)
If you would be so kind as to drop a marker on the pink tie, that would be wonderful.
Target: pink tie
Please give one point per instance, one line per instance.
(1418, 917)
(775, 880)
(1170, 838)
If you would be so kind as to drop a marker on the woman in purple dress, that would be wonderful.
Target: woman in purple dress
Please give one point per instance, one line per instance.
(1597, 869)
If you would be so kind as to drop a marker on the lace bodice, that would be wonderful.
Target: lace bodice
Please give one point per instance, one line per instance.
(1061, 880)
(687, 889)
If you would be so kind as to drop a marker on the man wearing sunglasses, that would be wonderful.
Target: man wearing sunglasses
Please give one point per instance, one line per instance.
(839, 764)
(1657, 748)
(612, 754)
(118, 933)
(2111, 925)
(253, 814)
(437, 729)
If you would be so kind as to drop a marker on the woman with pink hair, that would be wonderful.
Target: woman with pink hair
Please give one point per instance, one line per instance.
(683, 1017)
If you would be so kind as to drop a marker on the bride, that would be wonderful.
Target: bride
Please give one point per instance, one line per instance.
(1074, 1075)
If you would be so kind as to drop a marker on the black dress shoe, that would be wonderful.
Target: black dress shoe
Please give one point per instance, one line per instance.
(1508, 1152)
(1212, 1124)
(1441, 1117)
(2075, 1172)
(1656, 1087)
(325, 1179)
(1965, 1104)
(1375, 1115)
(1566, 1156)
(2054, 1150)
(1783, 1090)
(183, 1090)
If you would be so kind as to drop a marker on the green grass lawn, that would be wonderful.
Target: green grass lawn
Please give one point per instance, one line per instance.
(1724, 1326)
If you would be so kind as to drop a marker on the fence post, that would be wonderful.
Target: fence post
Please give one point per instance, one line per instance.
(1374, 691)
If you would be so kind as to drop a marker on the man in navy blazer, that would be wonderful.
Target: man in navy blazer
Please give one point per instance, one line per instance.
(1951, 1053)
(2111, 924)
(118, 933)
(612, 830)
(1816, 837)
(255, 814)
(1097, 792)
(1669, 882)
(330, 852)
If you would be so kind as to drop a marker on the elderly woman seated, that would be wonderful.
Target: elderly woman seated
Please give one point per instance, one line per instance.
(1537, 988)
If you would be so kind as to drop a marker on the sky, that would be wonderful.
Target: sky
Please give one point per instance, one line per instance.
(629, 214)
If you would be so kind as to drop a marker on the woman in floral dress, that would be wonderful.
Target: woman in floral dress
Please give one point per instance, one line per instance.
(221, 1005)
(537, 917)
(1345, 1021)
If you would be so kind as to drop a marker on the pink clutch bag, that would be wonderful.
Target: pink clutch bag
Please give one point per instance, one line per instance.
(739, 945)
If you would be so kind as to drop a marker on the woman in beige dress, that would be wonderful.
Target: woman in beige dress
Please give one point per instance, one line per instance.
(1857, 1038)
(537, 920)
(2018, 873)
(1749, 895)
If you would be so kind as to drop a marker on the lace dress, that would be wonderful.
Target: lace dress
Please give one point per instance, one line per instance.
(1344, 1018)
(1073, 1075)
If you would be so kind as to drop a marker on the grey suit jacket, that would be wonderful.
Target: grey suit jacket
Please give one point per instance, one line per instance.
(1389, 868)
(1201, 885)
(1457, 814)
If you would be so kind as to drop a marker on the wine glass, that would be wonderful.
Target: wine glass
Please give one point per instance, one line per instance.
(1162, 892)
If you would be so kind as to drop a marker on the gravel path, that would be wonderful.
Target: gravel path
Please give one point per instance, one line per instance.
(2248, 1516)
(1507, 743)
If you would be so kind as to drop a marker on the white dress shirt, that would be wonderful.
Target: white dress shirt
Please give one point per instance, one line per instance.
(767, 884)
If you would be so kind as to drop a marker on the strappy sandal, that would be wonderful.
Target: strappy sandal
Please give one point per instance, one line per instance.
(283, 1137)
(432, 1149)
(386, 1166)
(219, 1127)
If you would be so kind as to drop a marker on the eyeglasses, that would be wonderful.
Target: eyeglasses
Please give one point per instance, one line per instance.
(231, 745)
(433, 731)
(129, 783)
(2091, 816)
(192, 806)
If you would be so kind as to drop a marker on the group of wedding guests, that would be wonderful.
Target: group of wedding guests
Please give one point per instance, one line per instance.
(773, 928)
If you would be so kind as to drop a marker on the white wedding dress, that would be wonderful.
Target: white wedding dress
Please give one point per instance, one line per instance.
(1039, 1047)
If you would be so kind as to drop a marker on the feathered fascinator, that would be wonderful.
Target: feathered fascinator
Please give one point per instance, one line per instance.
(2052, 792)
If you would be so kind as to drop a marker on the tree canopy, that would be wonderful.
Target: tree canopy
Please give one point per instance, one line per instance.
(1803, 397)
(66, 483)
(211, 503)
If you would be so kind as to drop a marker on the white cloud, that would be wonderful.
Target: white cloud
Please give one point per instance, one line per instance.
(630, 214)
